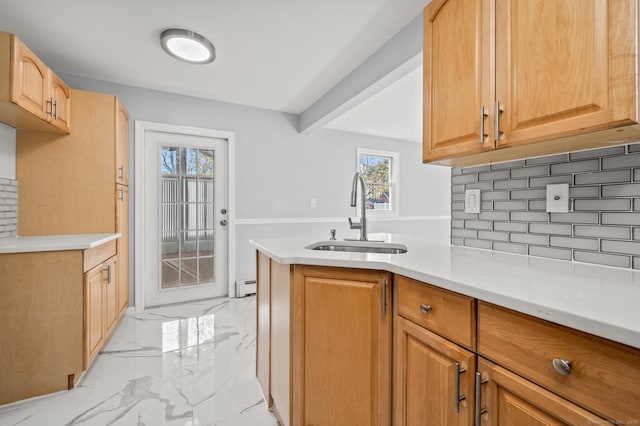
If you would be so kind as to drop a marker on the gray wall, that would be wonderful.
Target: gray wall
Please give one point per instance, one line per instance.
(7, 152)
(603, 222)
(278, 170)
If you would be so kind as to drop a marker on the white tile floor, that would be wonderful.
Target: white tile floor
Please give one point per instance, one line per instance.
(189, 364)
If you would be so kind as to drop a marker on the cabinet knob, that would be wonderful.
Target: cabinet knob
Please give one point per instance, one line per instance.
(562, 366)
(425, 309)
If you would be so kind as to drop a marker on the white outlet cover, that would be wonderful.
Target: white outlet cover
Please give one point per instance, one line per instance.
(472, 201)
(558, 198)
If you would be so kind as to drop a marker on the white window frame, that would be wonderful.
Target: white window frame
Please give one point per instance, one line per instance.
(394, 180)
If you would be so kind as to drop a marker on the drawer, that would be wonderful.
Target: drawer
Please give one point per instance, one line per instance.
(444, 312)
(604, 375)
(96, 255)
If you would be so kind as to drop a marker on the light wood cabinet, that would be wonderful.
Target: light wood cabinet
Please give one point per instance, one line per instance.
(263, 325)
(100, 306)
(602, 376)
(434, 378)
(506, 79)
(122, 247)
(53, 307)
(67, 182)
(508, 399)
(94, 313)
(32, 96)
(341, 330)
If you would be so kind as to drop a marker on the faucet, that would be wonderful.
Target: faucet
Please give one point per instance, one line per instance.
(362, 223)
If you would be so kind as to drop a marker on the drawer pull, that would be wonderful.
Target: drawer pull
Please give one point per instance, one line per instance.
(425, 309)
(562, 366)
(456, 387)
(479, 409)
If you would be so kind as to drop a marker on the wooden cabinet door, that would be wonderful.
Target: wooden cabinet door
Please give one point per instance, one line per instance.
(29, 80)
(110, 280)
(564, 67)
(122, 247)
(61, 96)
(511, 400)
(458, 54)
(341, 347)
(425, 378)
(93, 314)
(122, 144)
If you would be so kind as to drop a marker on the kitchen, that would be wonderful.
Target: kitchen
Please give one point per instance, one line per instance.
(259, 210)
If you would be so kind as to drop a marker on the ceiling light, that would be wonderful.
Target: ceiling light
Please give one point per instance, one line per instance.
(187, 46)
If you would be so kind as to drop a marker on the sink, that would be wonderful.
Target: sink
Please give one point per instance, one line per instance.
(359, 247)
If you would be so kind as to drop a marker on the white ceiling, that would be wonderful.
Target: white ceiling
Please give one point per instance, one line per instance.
(276, 54)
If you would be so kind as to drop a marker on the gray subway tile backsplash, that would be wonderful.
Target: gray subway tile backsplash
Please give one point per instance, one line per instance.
(8, 207)
(601, 227)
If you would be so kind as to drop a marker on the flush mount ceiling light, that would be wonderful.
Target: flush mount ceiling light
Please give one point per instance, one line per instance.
(187, 46)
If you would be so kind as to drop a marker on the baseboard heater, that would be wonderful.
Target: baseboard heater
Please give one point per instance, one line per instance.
(245, 288)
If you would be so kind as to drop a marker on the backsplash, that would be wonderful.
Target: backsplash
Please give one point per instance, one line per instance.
(603, 222)
(8, 207)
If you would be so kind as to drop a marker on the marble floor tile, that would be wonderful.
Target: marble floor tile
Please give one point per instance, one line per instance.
(181, 365)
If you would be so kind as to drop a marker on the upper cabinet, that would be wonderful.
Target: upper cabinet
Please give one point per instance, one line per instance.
(506, 79)
(122, 144)
(31, 95)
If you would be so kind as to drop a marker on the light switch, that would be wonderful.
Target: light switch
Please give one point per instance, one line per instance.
(558, 198)
(472, 201)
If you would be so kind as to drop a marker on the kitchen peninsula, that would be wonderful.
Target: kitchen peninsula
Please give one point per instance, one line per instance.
(558, 335)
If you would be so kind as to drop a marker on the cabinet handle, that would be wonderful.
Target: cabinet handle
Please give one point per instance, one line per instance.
(483, 114)
(121, 197)
(55, 107)
(425, 309)
(499, 110)
(108, 269)
(121, 168)
(50, 112)
(384, 296)
(456, 387)
(562, 366)
(479, 410)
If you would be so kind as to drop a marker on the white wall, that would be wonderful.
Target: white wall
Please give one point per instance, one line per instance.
(278, 170)
(7, 152)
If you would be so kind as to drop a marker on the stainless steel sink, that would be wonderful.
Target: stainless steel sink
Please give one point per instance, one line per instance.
(359, 247)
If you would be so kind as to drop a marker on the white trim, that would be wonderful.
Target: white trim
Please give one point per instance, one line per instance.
(285, 220)
(140, 128)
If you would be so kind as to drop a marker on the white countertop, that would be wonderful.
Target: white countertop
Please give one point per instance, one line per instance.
(54, 242)
(599, 300)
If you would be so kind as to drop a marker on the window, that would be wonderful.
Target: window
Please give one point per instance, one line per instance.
(379, 169)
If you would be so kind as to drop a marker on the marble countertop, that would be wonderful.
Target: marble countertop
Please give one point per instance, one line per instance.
(599, 300)
(54, 242)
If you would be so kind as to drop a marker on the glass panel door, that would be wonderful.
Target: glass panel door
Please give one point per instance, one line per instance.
(187, 202)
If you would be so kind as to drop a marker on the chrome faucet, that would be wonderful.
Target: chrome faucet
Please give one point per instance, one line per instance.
(362, 223)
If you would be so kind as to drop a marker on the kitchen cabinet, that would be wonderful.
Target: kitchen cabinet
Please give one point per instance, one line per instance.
(507, 79)
(341, 332)
(67, 182)
(53, 315)
(100, 306)
(122, 247)
(596, 374)
(434, 377)
(324, 343)
(32, 96)
(508, 399)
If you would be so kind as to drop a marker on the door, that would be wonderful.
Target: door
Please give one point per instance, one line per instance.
(457, 90)
(61, 97)
(185, 217)
(341, 347)
(511, 400)
(29, 85)
(110, 271)
(425, 379)
(122, 246)
(93, 308)
(563, 66)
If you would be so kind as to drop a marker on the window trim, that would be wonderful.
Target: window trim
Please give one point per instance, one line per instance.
(394, 180)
